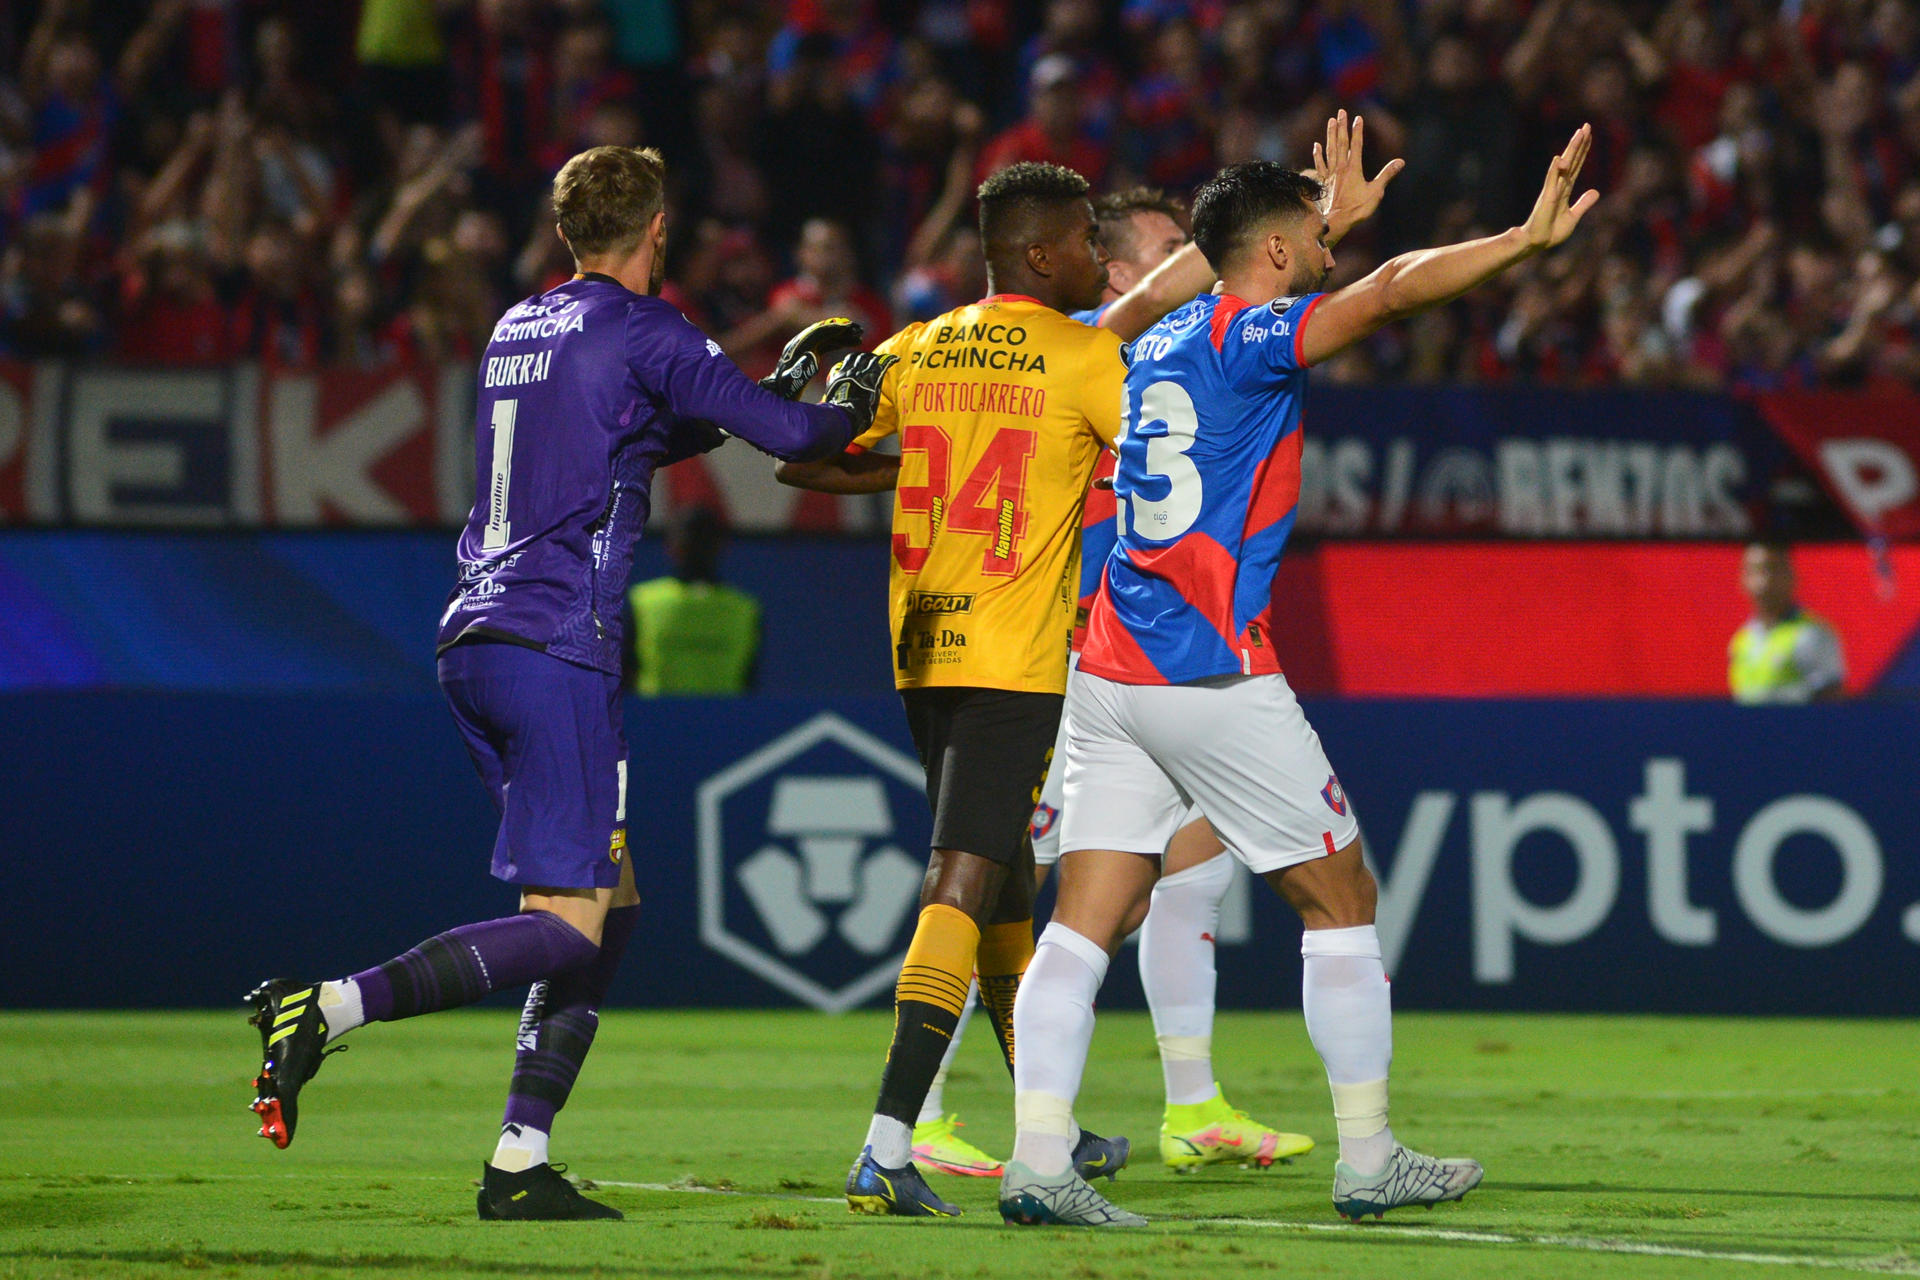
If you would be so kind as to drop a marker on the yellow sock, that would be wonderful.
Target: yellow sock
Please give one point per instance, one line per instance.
(940, 959)
(926, 1006)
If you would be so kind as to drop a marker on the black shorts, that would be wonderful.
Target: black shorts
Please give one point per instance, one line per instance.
(986, 753)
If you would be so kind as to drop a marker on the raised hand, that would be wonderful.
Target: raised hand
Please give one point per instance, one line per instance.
(1553, 218)
(1350, 198)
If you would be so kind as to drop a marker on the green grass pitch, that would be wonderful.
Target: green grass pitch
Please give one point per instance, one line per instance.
(1618, 1147)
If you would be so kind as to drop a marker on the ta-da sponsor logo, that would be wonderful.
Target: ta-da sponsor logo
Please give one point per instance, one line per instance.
(1664, 817)
(811, 857)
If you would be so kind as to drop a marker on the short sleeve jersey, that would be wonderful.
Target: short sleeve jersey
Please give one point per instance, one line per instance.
(1002, 408)
(1206, 486)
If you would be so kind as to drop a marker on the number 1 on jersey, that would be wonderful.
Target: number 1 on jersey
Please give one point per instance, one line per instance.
(499, 532)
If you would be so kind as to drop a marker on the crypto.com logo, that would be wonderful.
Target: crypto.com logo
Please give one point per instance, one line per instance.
(818, 868)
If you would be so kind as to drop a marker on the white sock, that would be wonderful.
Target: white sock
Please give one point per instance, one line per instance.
(891, 1141)
(1343, 991)
(930, 1110)
(521, 1147)
(340, 1006)
(1177, 973)
(1053, 1025)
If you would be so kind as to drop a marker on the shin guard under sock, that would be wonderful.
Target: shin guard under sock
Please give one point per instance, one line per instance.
(557, 1028)
(462, 965)
(927, 1002)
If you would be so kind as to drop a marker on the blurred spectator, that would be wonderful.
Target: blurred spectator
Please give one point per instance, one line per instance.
(842, 37)
(1070, 29)
(1783, 654)
(817, 145)
(584, 81)
(828, 284)
(45, 308)
(1172, 112)
(1461, 142)
(1055, 129)
(194, 180)
(170, 310)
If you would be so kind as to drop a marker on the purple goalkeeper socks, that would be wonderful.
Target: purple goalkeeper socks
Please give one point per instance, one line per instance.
(462, 965)
(557, 1026)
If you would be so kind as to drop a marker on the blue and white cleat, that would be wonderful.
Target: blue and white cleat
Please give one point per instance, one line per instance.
(903, 1193)
(1409, 1178)
(1062, 1200)
(1098, 1157)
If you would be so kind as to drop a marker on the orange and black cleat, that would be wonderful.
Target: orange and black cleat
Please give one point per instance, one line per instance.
(293, 1042)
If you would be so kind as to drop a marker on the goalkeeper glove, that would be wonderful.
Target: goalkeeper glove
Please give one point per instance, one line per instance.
(800, 358)
(854, 385)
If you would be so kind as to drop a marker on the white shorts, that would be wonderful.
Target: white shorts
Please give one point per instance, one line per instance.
(1140, 757)
(1046, 815)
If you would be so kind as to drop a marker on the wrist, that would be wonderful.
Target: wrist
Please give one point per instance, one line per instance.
(1520, 243)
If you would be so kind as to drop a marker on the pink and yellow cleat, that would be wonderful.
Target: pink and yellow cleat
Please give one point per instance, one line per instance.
(1213, 1132)
(936, 1146)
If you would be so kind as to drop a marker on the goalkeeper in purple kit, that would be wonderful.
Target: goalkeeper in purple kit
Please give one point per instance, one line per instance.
(584, 392)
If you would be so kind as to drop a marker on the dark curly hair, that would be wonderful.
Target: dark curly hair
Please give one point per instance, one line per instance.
(1011, 193)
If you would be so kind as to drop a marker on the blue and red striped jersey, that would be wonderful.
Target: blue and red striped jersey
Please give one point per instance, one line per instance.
(1206, 486)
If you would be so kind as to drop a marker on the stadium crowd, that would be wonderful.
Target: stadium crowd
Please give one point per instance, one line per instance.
(196, 181)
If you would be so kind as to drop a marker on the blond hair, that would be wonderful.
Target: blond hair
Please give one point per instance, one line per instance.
(605, 197)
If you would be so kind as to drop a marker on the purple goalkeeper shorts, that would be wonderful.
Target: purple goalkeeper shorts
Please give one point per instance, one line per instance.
(547, 739)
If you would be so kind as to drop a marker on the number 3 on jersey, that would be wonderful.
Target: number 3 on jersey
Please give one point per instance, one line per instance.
(992, 500)
(1162, 519)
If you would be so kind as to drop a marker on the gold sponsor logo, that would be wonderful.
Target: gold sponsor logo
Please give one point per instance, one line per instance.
(938, 602)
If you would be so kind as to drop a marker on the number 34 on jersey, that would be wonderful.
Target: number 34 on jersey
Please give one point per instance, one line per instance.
(996, 450)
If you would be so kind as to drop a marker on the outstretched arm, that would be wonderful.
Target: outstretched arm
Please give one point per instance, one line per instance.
(1181, 278)
(1413, 282)
(688, 371)
(843, 473)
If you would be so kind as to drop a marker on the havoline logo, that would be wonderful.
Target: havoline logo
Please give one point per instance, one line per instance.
(938, 602)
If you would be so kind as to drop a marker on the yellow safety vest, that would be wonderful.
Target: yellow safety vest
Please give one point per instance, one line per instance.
(1760, 663)
(692, 637)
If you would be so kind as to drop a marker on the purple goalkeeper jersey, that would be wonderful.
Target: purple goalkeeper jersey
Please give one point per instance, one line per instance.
(584, 392)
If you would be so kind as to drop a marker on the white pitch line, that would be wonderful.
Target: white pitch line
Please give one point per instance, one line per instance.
(718, 1191)
(1882, 1266)
(1892, 1265)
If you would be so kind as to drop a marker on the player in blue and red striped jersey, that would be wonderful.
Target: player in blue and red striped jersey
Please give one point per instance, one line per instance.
(585, 391)
(1180, 699)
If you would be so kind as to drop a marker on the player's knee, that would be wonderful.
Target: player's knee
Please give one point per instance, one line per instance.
(965, 882)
